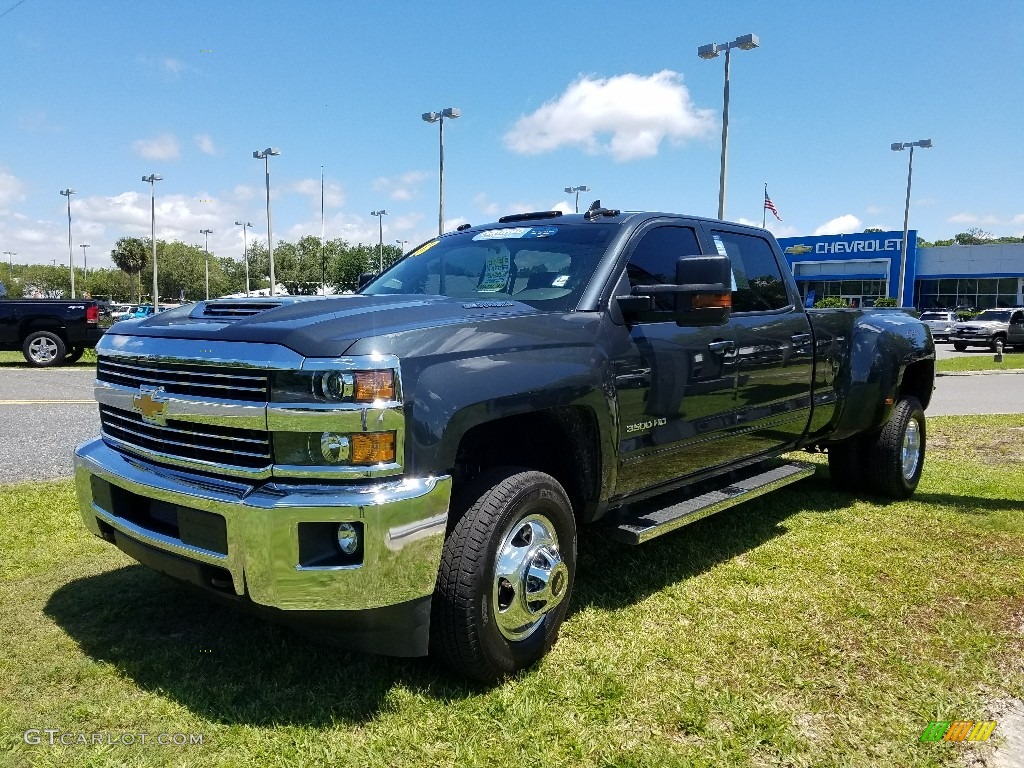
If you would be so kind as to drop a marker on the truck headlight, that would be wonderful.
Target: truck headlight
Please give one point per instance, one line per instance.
(332, 386)
(334, 449)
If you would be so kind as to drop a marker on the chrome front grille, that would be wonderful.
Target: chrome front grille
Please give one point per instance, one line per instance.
(187, 440)
(210, 382)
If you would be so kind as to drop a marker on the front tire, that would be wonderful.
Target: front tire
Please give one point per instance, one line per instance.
(506, 575)
(44, 349)
(959, 346)
(896, 458)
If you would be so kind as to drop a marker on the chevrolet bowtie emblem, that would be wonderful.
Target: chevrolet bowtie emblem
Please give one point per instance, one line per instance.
(796, 250)
(152, 408)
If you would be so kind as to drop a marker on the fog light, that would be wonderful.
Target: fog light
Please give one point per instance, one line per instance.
(334, 447)
(348, 538)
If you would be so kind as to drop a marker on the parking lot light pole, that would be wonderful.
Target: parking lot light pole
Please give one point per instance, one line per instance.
(207, 232)
(71, 256)
(245, 252)
(438, 117)
(577, 190)
(10, 256)
(152, 179)
(85, 262)
(265, 155)
(380, 226)
(711, 51)
(402, 244)
(899, 146)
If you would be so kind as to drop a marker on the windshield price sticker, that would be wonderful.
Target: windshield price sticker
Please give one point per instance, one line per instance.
(515, 233)
(496, 272)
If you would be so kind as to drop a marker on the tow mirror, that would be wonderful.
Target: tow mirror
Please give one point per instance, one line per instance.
(701, 295)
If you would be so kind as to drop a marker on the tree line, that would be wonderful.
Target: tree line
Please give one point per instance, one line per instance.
(302, 267)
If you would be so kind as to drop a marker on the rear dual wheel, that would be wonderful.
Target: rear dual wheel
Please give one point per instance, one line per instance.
(506, 575)
(888, 462)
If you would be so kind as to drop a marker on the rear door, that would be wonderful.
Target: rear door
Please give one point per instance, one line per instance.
(1015, 333)
(774, 345)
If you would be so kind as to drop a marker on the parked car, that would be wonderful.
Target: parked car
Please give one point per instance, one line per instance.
(122, 311)
(992, 328)
(144, 310)
(941, 322)
(48, 331)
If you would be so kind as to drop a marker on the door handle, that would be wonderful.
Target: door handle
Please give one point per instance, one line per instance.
(799, 339)
(722, 347)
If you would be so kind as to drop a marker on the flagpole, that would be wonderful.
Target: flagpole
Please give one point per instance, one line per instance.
(764, 208)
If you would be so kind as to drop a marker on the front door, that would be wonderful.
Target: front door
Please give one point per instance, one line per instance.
(675, 385)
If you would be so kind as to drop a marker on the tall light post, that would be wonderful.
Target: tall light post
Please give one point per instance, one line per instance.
(711, 51)
(899, 147)
(207, 232)
(380, 226)
(438, 117)
(577, 190)
(401, 245)
(265, 155)
(85, 262)
(10, 256)
(153, 178)
(245, 252)
(71, 258)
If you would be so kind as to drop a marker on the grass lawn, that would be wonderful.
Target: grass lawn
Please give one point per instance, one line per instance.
(17, 360)
(981, 361)
(805, 628)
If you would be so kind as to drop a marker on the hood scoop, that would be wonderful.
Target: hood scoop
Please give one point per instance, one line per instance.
(233, 309)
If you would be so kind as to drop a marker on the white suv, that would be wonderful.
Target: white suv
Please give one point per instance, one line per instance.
(941, 323)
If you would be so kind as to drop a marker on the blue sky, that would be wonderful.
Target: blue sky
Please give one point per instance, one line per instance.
(95, 95)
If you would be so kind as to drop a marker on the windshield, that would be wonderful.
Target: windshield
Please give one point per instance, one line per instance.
(545, 266)
(994, 316)
(935, 316)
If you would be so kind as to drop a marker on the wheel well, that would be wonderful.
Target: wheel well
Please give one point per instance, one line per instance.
(562, 442)
(27, 329)
(918, 381)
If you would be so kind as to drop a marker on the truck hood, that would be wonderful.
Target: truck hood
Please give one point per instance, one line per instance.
(316, 326)
(980, 326)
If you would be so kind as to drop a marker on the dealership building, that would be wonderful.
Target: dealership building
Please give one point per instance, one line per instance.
(862, 267)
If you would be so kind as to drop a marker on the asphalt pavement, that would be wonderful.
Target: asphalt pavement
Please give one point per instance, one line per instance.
(46, 412)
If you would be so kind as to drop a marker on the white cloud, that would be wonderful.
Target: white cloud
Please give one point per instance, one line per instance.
(840, 225)
(402, 188)
(171, 66)
(333, 195)
(11, 189)
(205, 144)
(1018, 219)
(162, 147)
(243, 192)
(627, 116)
(775, 227)
(563, 206)
(486, 206)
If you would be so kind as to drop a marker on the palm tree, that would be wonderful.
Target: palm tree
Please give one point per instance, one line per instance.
(131, 256)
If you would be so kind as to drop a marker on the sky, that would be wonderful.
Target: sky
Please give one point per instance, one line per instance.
(94, 95)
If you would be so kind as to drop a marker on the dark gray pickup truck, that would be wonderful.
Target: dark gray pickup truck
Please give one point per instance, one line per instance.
(48, 331)
(407, 468)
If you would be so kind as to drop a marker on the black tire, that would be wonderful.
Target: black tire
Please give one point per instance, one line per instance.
(896, 458)
(515, 511)
(74, 354)
(44, 349)
(959, 346)
(847, 464)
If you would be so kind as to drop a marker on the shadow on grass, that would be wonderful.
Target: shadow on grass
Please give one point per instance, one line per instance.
(226, 665)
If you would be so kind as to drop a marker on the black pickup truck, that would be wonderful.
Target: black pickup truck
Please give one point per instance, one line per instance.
(409, 466)
(48, 331)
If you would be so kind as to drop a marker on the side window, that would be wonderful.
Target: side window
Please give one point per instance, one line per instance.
(653, 261)
(759, 282)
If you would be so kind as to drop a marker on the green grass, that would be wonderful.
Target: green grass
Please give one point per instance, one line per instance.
(981, 361)
(9, 360)
(805, 628)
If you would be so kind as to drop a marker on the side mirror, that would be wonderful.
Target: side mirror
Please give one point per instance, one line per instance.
(701, 295)
(364, 279)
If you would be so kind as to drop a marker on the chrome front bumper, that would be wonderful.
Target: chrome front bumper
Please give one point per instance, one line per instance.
(403, 523)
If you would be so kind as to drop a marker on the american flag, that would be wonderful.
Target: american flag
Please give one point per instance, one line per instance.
(770, 206)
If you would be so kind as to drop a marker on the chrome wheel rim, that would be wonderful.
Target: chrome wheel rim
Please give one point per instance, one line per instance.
(530, 577)
(911, 453)
(42, 350)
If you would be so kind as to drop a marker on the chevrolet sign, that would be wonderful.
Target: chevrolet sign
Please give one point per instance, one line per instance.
(150, 405)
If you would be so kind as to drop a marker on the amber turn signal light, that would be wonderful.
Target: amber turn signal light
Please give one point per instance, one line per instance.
(712, 301)
(374, 385)
(373, 448)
